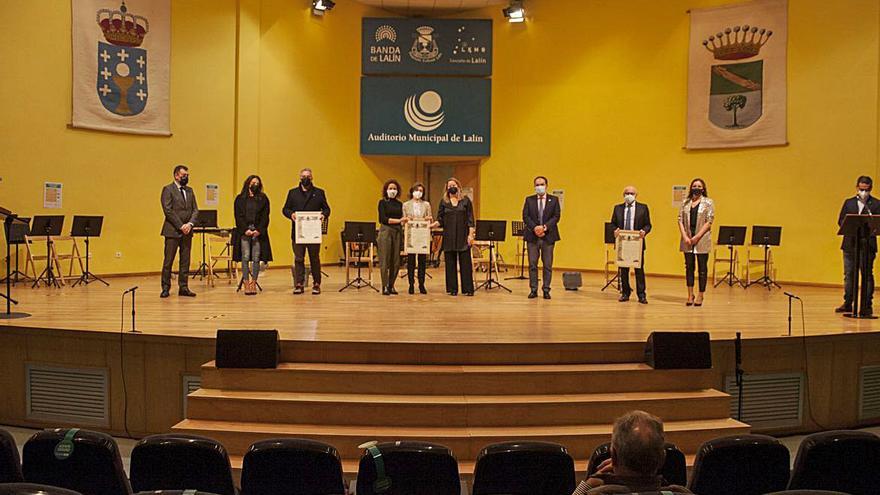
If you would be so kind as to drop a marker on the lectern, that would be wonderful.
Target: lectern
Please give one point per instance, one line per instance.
(860, 228)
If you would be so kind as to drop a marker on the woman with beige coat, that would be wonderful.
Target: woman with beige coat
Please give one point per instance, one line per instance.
(695, 222)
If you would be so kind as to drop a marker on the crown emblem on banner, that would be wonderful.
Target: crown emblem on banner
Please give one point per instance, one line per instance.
(737, 42)
(121, 27)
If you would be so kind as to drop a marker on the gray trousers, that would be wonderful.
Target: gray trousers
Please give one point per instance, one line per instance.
(389, 242)
(543, 250)
(250, 255)
(172, 245)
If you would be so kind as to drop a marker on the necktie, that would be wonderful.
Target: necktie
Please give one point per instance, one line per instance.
(183, 193)
(628, 218)
(541, 210)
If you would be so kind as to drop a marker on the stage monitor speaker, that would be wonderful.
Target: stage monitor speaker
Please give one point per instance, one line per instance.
(678, 350)
(247, 349)
(571, 280)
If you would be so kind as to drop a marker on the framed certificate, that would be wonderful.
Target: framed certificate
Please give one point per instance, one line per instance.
(629, 249)
(307, 228)
(417, 237)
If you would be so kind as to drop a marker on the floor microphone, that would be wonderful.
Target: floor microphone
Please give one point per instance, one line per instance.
(789, 294)
(131, 290)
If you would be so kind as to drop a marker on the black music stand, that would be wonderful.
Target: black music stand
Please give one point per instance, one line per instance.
(48, 225)
(9, 220)
(16, 235)
(861, 227)
(516, 230)
(610, 239)
(205, 220)
(361, 233)
(731, 236)
(766, 236)
(88, 227)
(492, 231)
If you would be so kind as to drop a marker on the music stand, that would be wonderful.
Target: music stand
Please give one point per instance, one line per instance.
(17, 234)
(766, 236)
(9, 220)
(861, 227)
(610, 239)
(492, 231)
(361, 233)
(517, 229)
(48, 225)
(87, 226)
(205, 220)
(731, 236)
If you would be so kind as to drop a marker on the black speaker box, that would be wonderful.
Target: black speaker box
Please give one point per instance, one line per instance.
(678, 350)
(571, 280)
(247, 349)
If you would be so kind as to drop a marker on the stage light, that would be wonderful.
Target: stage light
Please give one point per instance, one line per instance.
(515, 12)
(321, 6)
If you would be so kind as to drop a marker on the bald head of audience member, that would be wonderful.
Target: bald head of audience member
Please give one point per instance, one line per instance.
(637, 444)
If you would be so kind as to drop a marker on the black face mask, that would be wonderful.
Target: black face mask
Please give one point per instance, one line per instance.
(306, 182)
(184, 181)
(453, 190)
(696, 192)
(255, 188)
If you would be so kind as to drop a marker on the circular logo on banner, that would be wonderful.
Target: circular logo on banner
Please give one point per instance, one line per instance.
(423, 112)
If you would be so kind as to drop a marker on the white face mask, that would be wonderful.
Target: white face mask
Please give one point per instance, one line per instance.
(540, 189)
(392, 193)
(864, 194)
(629, 198)
(417, 194)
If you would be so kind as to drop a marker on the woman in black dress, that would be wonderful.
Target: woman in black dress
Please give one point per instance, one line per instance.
(250, 239)
(456, 217)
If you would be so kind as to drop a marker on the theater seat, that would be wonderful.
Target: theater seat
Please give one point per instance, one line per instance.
(10, 463)
(32, 489)
(181, 462)
(674, 469)
(524, 468)
(740, 465)
(175, 492)
(846, 461)
(292, 466)
(807, 492)
(411, 468)
(93, 466)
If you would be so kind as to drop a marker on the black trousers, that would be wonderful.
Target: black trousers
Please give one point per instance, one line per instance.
(411, 267)
(465, 266)
(867, 276)
(625, 288)
(690, 262)
(172, 246)
(299, 263)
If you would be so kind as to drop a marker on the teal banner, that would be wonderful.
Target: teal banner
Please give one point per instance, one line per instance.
(425, 116)
(405, 46)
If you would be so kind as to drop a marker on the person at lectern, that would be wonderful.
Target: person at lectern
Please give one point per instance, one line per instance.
(860, 204)
(456, 217)
(695, 221)
(540, 215)
(250, 239)
(180, 209)
(417, 209)
(305, 197)
(390, 239)
(632, 215)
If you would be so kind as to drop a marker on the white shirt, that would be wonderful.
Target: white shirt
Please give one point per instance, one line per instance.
(861, 204)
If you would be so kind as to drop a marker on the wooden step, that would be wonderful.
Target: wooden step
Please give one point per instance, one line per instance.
(455, 379)
(449, 410)
(465, 442)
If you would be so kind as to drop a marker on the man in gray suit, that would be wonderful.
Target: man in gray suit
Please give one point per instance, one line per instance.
(179, 205)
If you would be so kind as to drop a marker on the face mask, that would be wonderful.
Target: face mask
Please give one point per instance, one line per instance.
(864, 194)
(629, 198)
(540, 189)
(306, 182)
(184, 180)
(392, 193)
(453, 190)
(696, 192)
(255, 188)
(417, 194)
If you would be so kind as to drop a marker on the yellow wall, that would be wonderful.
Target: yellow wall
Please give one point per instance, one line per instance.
(590, 93)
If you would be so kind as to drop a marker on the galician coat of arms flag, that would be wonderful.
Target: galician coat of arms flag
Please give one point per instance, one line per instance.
(737, 75)
(121, 57)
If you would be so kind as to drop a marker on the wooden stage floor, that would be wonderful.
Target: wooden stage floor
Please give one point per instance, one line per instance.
(586, 315)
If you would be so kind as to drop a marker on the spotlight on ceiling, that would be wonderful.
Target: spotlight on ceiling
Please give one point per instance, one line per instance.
(515, 12)
(319, 7)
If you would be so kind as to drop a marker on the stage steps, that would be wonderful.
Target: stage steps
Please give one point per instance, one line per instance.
(464, 406)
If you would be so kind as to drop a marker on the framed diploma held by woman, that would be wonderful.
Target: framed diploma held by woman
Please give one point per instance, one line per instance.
(417, 237)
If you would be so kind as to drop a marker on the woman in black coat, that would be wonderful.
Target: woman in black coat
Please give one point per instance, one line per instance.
(250, 239)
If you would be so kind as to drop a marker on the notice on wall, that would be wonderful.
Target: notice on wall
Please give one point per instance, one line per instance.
(679, 194)
(52, 195)
(212, 194)
(560, 194)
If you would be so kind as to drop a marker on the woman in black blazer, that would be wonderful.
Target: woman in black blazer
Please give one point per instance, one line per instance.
(456, 217)
(250, 239)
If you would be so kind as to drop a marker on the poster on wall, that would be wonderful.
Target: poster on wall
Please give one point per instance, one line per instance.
(737, 75)
(121, 71)
(212, 194)
(52, 195)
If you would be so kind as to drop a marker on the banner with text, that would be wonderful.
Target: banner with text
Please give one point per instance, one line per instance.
(425, 116)
(426, 46)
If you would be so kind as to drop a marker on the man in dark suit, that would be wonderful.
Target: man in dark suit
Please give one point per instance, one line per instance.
(541, 214)
(179, 206)
(861, 204)
(305, 197)
(631, 215)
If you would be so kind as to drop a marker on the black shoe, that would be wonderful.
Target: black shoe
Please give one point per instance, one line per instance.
(643, 300)
(453, 293)
(546, 294)
(468, 293)
(533, 294)
(186, 293)
(164, 294)
(412, 290)
(298, 290)
(623, 298)
(844, 308)
(316, 289)
(422, 289)
(384, 291)
(392, 291)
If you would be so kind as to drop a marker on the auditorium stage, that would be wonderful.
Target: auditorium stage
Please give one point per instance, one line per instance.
(582, 316)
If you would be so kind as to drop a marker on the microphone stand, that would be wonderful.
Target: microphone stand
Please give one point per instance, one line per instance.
(739, 376)
(790, 297)
(133, 291)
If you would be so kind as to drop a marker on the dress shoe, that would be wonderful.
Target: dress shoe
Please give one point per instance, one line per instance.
(546, 294)
(643, 300)
(422, 289)
(469, 294)
(392, 291)
(384, 291)
(623, 298)
(316, 289)
(533, 294)
(453, 293)
(186, 293)
(298, 290)
(412, 290)
(164, 294)
(844, 308)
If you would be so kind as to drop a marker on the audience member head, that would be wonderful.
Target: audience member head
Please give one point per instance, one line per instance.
(637, 444)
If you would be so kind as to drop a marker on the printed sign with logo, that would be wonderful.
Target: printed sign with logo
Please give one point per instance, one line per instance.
(426, 46)
(425, 116)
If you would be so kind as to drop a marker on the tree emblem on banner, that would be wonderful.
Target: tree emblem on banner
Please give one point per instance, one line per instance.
(736, 90)
(122, 65)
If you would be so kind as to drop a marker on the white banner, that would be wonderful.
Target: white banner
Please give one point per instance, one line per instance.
(121, 71)
(737, 75)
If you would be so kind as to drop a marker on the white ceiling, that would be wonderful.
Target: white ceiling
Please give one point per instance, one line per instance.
(431, 7)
